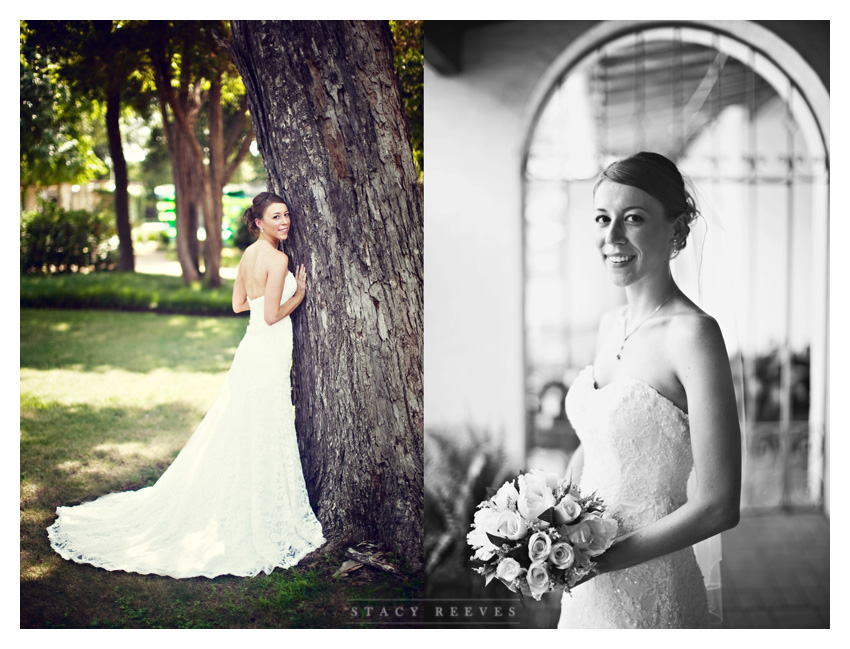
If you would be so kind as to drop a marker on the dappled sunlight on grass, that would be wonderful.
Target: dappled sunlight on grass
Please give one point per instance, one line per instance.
(80, 451)
(84, 434)
(30, 492)
(38, 516)
(112, 460)
(136, 342)
(176, 320)
(107, 400)
(153, 450)
(74, 388)
(32, 570)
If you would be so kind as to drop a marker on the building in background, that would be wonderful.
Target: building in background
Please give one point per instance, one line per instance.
(521, 117)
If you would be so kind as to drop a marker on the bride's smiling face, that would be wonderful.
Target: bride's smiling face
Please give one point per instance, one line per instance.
(633, 233)
(276, 221)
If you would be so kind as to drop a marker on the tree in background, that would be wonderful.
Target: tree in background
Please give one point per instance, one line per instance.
(55, 144)
(192, 73)
(99, 60)
(331, 128)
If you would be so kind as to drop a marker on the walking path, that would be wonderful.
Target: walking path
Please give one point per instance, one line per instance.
(775, 572)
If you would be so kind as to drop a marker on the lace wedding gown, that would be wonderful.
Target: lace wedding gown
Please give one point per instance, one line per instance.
(637, 457)
(234, 500)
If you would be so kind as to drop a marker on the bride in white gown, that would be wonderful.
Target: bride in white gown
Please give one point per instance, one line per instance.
(234, 501)
(657, 402)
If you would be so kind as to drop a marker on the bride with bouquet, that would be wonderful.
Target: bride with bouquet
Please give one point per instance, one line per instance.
(657, 403)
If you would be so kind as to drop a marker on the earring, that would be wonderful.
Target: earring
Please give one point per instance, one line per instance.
(675, 252)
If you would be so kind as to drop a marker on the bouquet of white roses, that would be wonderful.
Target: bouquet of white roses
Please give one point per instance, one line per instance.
(537, 534)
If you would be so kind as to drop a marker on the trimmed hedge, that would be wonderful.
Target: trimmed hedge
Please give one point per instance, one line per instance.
(123, 291)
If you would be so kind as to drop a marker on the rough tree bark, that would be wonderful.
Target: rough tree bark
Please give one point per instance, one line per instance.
(331, 128)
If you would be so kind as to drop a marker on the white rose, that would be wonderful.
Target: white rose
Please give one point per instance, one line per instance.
(510, 525)
(538, 579)
(603, 531)
(562, 556)
(567, 510)
(539, 546)
(508, 570)
(485, 521)
(507, 493)
(535, 496)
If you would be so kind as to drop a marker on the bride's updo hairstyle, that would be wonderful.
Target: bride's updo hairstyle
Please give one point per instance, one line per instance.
(258, 206)
(660, 178)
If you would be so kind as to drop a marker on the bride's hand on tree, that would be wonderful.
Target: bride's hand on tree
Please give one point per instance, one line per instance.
(301, 281)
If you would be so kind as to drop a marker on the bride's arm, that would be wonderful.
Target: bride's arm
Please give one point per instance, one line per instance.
(274, 311)
(240, 294)
(699, 358)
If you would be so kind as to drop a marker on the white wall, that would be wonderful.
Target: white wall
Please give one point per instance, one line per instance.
(475, 125)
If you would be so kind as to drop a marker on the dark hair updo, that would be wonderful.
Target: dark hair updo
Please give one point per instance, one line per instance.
(258, 206)
(660, 178)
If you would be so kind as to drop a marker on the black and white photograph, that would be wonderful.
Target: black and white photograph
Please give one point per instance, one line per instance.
(626, 306)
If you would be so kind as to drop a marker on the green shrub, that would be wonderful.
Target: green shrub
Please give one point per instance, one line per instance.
(55, 240)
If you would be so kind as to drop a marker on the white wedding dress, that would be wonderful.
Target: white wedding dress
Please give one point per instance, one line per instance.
(233, 502)
(637, 457)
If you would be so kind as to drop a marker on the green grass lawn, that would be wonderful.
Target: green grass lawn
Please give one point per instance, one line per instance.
(108, 399)
(125, 292)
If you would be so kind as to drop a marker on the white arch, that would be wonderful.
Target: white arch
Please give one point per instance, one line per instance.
(816, 97)
(752, 34)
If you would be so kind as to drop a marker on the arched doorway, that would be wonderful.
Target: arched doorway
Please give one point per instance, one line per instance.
(752, 135)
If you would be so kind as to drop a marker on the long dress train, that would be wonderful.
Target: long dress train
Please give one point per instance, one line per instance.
(637, 458)
(233, 502)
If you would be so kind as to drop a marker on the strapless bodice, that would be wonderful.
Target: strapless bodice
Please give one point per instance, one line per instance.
(637, 457)
(637, 447)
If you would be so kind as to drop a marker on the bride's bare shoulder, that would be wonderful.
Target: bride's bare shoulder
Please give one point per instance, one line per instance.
(268, 257)
(278, 261)
(694, 332)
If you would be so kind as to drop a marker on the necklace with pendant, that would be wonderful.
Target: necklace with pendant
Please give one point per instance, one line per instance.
(626, 336)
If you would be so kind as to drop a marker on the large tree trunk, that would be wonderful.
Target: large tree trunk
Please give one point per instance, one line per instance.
(119, 165)
(181, 161)
(331, 128)
(184, 208)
